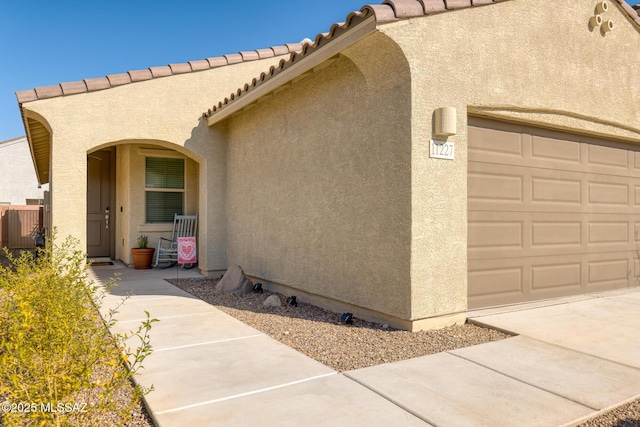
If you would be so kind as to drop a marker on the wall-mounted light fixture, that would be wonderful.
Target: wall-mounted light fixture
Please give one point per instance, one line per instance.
(445, 121)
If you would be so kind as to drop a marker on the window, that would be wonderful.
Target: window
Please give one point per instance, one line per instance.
(164, 188)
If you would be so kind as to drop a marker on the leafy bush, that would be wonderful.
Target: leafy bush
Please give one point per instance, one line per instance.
(58, 363)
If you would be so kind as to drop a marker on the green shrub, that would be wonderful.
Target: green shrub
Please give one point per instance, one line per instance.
(55, 349)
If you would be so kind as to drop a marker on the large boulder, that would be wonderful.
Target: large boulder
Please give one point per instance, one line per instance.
(272, 301)
(234, 282)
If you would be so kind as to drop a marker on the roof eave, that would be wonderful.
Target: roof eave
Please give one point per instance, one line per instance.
(42, 170)
(296, 69)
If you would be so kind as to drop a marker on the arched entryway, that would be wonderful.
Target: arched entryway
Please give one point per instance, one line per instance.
(134, 187)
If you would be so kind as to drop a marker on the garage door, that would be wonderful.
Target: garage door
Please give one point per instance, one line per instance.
(550, 214)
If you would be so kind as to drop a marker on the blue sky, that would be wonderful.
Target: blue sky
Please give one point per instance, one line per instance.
(48, 42)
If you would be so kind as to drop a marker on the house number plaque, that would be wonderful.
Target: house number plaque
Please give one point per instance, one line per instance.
(441, 149)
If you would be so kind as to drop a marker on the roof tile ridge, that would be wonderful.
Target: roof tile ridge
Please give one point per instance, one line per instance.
(302, 49)
(388, 11)
(632, 11)
(132, 76)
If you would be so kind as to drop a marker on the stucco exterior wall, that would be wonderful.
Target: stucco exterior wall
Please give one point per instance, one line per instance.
(163, 112)
(319, 183)
(18, 180)
(535, 61)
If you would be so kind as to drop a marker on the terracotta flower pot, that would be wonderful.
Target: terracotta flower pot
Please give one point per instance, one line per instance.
(142, 258)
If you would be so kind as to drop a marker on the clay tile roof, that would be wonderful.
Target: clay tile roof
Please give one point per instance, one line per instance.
(217, 61)
(457, 4)
(294, 47)
(73, 87)
(383, 12)
(633, 13)
(160, 71)
(201, 64)
(180, 68)
(250, 56)
(280, 50)
(140, 75)
(119, 79)
(265, 53)
(387, 12)
(101, 83)
(433, 6)
(97, 84)
(48, 91)
(233, 58)
(405, 8)
(26, 96)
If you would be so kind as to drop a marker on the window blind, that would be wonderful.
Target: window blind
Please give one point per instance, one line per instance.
(162, 206)
(164, 173)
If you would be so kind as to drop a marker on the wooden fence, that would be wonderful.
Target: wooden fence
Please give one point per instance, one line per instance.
(18, 225)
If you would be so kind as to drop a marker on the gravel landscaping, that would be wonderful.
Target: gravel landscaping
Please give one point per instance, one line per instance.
(623, 416)
(319, 334)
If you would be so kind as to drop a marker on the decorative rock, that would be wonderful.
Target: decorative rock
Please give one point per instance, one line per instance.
(272, 301)
(234, 282)
(385, 326)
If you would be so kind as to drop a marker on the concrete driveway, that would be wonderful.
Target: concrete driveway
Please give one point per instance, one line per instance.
(605, 324)
(572, 359)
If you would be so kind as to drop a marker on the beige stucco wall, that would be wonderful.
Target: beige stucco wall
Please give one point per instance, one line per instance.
(163, 112)
(319, 183)
(536, 61)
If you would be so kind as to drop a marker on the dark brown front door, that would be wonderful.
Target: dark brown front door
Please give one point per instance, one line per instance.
(99, 210)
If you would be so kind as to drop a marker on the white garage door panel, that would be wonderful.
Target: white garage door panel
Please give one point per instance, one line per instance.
(549, 214)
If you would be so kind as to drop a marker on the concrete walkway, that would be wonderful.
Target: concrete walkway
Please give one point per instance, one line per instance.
(571, 360)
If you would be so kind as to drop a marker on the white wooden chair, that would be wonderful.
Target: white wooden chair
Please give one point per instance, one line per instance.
(183, 226)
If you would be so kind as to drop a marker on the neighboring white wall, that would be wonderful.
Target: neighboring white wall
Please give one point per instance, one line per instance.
(18, 180)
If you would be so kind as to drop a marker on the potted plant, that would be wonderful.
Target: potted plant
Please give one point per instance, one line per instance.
(142, 255)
